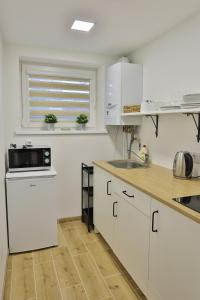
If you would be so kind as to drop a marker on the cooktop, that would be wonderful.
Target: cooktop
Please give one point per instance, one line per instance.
(192, 202)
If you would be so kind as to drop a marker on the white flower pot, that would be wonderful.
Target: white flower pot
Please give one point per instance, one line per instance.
(51, 126)
(81, 127)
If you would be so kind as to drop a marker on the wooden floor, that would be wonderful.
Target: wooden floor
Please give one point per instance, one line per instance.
(82, 267)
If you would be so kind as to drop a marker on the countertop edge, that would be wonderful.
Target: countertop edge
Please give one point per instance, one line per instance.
(187, 212)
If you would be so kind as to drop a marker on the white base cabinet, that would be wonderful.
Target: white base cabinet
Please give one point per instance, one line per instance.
(174, 257)
(132, 246)
(159, 247)
(103, 205)
(123, 219)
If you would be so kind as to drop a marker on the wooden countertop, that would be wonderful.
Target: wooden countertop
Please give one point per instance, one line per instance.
(159, 183)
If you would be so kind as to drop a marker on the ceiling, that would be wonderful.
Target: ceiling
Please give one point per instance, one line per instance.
(121, 25)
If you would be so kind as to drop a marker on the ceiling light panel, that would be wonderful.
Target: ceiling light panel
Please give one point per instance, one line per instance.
(82, 25)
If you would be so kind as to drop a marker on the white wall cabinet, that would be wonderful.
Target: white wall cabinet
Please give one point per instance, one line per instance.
(123, 87)
(158, 246)
(174, 263)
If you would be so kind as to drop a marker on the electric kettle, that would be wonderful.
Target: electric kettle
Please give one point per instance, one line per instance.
(183, 165)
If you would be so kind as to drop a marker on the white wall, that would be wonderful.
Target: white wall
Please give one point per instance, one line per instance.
(3, 226)
(68, 150)
(171, 69)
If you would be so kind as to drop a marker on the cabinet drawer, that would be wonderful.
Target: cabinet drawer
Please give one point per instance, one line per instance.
(129, 193)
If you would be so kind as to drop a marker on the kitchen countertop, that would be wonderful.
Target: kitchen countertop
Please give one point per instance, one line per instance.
(159, 183)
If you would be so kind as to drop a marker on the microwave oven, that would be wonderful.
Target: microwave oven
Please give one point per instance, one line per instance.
(26, 158)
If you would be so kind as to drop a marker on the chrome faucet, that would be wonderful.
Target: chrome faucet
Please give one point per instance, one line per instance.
(132, 139)
(129, 148)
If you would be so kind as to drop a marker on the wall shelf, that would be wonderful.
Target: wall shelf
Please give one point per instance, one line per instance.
(197, 123)
(155, 120)
(164, 112)
(154, 115)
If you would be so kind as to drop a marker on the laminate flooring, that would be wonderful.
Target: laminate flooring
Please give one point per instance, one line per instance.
(82, 267)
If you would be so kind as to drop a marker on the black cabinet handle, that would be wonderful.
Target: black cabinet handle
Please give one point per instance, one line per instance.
(114, 215)
(130, 196)
(153, 216)
(109, 181)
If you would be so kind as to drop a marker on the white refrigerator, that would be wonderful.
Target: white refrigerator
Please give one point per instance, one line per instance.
(31, 210)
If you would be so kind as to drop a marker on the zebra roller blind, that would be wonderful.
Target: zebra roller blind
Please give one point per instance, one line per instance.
(66, 96)
(63, 96)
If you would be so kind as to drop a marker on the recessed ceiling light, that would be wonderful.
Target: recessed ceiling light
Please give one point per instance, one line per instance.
(82, 25)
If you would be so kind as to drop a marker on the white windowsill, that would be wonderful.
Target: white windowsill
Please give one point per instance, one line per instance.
(37, 131)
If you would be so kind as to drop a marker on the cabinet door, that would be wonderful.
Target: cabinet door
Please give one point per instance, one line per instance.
(132, 234)
(174, 263)
(103, 204)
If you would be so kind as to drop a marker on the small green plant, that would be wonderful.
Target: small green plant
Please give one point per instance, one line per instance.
(82, 119)
(50, 118)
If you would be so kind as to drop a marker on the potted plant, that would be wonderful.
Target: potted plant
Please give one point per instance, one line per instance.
(82, 120)
(50, 120)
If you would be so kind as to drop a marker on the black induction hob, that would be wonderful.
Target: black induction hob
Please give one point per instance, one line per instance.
(192, 202)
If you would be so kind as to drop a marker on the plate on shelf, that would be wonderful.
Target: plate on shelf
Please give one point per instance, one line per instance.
(194, 98)
(170, 107)
(190, 105)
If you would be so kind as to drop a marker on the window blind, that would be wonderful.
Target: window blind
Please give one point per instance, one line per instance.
(66, 97)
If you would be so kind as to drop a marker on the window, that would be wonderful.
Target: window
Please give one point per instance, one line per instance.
(65, 92)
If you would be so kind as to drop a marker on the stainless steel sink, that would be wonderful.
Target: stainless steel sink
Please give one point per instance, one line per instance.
(126, 164)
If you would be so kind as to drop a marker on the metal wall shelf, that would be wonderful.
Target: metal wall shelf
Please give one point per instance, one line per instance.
(154, 115)
(162, 112)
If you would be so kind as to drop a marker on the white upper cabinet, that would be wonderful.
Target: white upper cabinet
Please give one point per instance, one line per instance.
(123, 87)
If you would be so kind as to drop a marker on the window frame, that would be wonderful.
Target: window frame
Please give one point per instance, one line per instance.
(75, 72)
